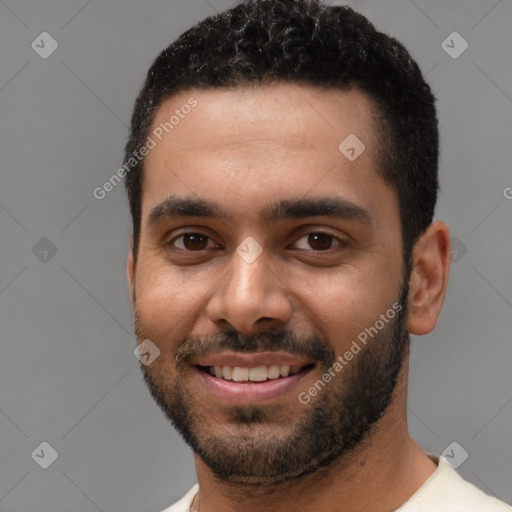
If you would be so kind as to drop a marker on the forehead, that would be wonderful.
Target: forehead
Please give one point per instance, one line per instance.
(276, 139)
(291, 114)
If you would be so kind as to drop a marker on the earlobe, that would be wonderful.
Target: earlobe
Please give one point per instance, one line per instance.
(130, 272)
(431, 262)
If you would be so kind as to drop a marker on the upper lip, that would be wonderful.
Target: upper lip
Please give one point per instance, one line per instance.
(251, 360)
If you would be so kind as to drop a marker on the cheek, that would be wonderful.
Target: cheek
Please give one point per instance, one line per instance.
(166, 302)
(344, 303)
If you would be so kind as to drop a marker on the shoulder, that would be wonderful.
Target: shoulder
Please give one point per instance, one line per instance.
(447, 491)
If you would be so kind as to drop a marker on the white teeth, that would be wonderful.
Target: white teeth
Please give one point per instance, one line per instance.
(256, 374)
(240, 374)
(273, 371)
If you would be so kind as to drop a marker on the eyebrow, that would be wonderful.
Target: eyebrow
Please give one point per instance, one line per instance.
(175, 206)
(337, 207)
(317, 207)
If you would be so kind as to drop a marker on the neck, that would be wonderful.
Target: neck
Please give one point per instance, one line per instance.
(384, 471)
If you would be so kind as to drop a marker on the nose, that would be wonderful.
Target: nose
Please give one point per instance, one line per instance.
(250, 297)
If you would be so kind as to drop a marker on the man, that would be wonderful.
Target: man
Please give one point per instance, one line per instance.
(282, 179)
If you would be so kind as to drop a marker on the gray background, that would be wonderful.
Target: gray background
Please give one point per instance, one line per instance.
(68, 375)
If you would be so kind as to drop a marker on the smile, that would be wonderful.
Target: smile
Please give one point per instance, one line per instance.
(248, 385)
(255, 374)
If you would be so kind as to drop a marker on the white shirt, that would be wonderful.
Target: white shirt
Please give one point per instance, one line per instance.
(444, 491)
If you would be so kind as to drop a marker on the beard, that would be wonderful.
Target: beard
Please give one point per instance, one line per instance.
(272, 444)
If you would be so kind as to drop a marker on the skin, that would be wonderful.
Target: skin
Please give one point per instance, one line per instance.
(245, 149)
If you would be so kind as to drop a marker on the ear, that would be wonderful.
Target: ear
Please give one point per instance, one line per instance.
(130, 272)
(431, 260)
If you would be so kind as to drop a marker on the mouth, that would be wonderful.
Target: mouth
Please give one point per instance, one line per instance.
(247, 385)
(261, 373)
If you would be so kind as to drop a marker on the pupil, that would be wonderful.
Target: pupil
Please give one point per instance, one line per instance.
(320, 241)
(194, 241)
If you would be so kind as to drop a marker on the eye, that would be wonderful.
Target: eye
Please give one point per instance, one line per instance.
(318, 241)
(192, 242)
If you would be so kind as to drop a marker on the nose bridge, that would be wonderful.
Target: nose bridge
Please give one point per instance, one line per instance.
(251, 291)
(247, 283)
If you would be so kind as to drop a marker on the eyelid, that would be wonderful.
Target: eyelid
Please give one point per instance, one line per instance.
(190, 232)
(341, 242)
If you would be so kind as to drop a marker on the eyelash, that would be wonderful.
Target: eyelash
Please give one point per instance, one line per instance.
(341, 243)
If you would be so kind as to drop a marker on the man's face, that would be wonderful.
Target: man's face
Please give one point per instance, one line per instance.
(322, 266)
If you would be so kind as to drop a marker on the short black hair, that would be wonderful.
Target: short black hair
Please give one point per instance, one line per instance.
(310, 43)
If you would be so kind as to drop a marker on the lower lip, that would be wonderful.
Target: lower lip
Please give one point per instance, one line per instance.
(243, 392)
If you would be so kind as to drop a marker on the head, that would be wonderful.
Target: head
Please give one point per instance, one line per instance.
(285, 210)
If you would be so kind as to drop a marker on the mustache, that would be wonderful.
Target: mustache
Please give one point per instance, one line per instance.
(312, 348)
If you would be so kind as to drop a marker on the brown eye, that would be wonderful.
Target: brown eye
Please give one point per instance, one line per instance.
(191, 242)
(320, 241)
(317, 241)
